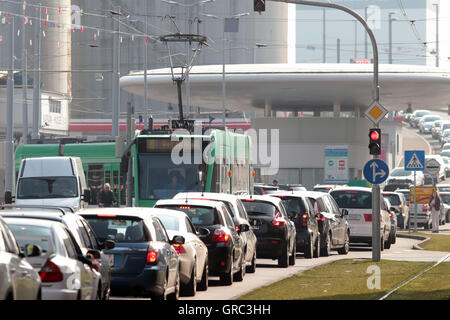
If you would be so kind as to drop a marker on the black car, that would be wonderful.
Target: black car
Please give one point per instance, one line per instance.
(333, 226)
(273, 228)
(302, 214)
(218, 231)
(143, 262)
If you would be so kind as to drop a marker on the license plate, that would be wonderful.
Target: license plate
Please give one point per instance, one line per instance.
(110, 258)
(354, 217)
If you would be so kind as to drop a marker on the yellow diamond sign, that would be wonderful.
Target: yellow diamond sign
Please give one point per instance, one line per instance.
(376, 112)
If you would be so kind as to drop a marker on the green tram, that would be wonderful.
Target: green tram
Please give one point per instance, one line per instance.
(100, 164)
(218, 161)
(167, 163)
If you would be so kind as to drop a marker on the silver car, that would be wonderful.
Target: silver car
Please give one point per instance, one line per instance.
(18, 279)
(65, 273)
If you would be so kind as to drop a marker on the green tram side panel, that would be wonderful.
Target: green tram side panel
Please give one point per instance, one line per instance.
(35, 151)
(93, 152)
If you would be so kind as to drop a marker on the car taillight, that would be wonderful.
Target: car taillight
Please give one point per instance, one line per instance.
(304, 220)
(152, 256)
(277, 221)
(179, 248)
(390, 214)
(220, 235)
(50, 272)
(368, 217)
(400, 208)
(425, 207)
(320, 217)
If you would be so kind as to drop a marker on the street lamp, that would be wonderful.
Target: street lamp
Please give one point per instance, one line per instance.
(236, 16)
(390, 35)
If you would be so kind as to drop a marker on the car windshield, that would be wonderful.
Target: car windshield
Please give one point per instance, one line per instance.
(394, 199)
(444, 189)
(352, 199)
(445, 198)
(431, 118)
(200, 215)
(445, 154)
(37, 235)
(259, 208)
(399, 172)
(446, 147)
(421, 113)
(47, 187)
(119, 229)
(169, 222)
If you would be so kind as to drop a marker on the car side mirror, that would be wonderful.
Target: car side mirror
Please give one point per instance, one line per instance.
(93, 254)
(244, 227)
(84, 260)
(393, 210)
(87, 195)
(203, 232)
(344, 212)
(109, 244)
(178, 240)
(32, 250)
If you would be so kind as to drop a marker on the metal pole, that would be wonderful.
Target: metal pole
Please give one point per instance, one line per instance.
(223, 83)
(9, 170)
(415, 204)
(145, 69)
(37, 77)
(390, 38)
(324, 40)
(437, 35)
(130, 113)
(115, 78)
(366, 51)
(356, 40)
(338, 50)
(24, 84)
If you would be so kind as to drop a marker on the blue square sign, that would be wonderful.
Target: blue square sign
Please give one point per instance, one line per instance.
(415, 160)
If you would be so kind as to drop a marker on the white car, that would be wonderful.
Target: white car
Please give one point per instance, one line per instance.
(65, 273)
(403, 177)
(417, 115)
(447, 166)
(426, 123)
(18, 279)
(358, 202)
(446, 146)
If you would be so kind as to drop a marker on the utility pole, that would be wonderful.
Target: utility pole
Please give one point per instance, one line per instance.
(9, 170)
(437, 34)
(37, 76)
(116, 75)
(324, 39)
(130, 120)
(145, 69)
(390, 36)
(24, 82)
(338, 48)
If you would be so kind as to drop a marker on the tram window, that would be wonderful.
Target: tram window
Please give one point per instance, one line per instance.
(107, 177)
(95, 180)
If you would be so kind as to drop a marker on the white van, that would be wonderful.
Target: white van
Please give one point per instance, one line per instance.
(52, 181)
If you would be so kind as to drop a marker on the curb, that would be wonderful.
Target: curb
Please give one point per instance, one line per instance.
(416, 246)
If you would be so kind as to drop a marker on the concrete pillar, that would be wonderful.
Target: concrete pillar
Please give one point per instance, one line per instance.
(448, 109)
(357, 111)
(267, 110)
(274, 113)
(316, 113)
(336, 110)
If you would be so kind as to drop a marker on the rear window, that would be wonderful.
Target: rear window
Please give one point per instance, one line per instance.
(445, 198)
(353, 199)
(200, 216)
(293, 204)
(170, 222)
(120, 229)
(406, 194)
(254, 208)
(322, 189)
(393, 199)
(444, 189)
(26, 234)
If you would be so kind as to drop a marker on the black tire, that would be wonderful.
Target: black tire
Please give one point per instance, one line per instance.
(227, 278)
(293, 256)
(326, 250)
(308, 250)
(283, 260)
(99, 292)
(203, 284)
(252, 268)
(382, 243)
(317, 247)
(388, 242)
(239, 276)
(161, 297)
(448, 217)
(175, 295)
(346, 248)
(190, 289)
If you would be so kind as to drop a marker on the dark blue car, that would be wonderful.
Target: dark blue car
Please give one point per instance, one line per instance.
(143, 262)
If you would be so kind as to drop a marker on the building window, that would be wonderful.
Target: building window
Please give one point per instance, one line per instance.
(54, 106)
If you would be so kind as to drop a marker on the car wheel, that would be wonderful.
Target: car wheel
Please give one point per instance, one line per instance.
(239, 276)
(394, 237)
(448, 216)
(175, 295)
(317, 248)
(203, 284)
(190, 289)
(346, 248)
(387, 243)
(382, 243)
(309, 250)
(227, 278)
(162, 296)
(283, 260)
(252, 268)
(293, 256)
(99, 292)
(326, 250)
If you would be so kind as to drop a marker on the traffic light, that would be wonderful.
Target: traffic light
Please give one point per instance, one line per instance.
(259, 5)
(375, 141)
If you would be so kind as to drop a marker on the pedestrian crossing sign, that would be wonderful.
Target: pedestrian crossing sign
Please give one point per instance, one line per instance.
(415, 160)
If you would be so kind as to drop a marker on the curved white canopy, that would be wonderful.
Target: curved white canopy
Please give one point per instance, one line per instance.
(294, 87)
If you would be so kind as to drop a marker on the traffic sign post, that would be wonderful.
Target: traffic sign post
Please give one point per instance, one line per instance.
(376, 171)
(414, 161)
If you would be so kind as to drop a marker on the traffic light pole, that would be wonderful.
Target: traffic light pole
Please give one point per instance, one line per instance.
(376, 197)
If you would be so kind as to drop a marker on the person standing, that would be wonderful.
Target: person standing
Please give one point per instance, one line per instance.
(106, 197)
(435, 205)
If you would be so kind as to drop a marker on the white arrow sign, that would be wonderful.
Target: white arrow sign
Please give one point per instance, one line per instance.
(381, 173)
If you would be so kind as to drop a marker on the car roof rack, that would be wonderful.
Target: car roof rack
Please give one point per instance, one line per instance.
(61, 209)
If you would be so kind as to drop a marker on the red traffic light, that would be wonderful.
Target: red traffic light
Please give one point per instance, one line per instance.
(374, 135)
